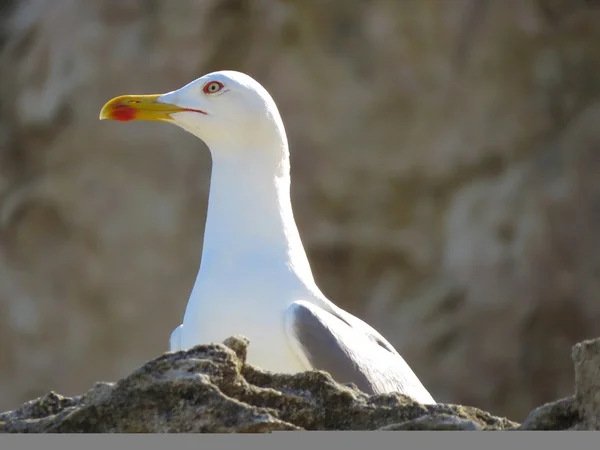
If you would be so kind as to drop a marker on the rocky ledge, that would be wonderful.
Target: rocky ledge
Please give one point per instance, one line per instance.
(211, 389)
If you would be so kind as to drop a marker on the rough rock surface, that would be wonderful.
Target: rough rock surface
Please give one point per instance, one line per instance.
(211, 389)
(445, 170)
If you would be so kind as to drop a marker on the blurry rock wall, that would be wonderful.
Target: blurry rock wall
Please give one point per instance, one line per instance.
(446, 180)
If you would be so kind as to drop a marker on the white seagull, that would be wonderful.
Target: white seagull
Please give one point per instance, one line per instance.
(255, 279)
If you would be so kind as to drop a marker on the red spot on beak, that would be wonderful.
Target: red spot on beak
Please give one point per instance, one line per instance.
(123, 113)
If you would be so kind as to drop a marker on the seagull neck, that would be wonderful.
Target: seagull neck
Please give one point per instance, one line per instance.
(250, 213)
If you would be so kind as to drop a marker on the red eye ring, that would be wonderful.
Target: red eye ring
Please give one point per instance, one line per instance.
(212, 87)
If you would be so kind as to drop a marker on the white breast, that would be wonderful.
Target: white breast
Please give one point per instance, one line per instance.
(245, 303)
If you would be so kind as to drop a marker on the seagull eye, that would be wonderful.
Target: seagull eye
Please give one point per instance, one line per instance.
(212, 87)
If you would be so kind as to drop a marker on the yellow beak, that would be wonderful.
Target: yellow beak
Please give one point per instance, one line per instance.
(139, 107)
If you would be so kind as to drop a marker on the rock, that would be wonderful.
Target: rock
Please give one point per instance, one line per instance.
(559, 415)
(445, 181)
(582, 410)
(435, 422)
(586, 356)
(211, 389)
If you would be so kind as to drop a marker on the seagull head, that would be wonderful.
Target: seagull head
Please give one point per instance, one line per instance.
(230, 111)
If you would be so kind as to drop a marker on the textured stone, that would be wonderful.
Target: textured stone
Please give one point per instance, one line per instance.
(437, 422)
(559, 415)
(445, 181)
(210, 389)
(586, 356)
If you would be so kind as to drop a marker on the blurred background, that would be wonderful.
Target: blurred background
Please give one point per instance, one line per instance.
(445, 180)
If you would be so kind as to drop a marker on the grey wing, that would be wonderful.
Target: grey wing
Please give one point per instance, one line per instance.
(357, 324)
(330, 343)
(354, 322)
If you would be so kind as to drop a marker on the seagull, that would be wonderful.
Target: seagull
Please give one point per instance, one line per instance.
(255, 278)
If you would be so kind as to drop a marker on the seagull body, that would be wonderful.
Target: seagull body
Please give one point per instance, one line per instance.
(255, 278)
